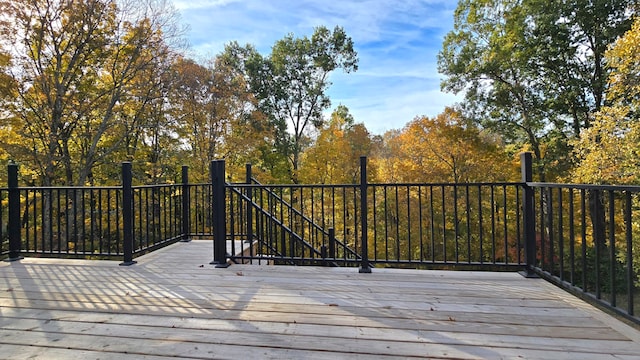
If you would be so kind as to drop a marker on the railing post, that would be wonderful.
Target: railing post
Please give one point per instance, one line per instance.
(323, 254)
(332, 243)
(127, 214)
(219, 215)
(249, 209)
(186, 208)
(13, 226)
(528, 215)
(365, 266)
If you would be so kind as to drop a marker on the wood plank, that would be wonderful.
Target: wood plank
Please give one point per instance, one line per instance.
(294, 323)
(265, 294)
(172, 303)
(154, 341)
(309, 306)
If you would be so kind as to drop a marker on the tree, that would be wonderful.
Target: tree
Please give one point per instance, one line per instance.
(291, 82)
(333, 156)
(446, 148)
(216, 115)
(616, 128)
(80, 65)
(532, 70)
(433, 154)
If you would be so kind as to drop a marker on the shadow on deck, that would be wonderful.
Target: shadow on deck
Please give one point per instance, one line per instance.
(174, 304)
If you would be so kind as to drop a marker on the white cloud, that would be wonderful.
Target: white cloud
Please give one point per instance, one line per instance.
(397, 43)
(200, 4)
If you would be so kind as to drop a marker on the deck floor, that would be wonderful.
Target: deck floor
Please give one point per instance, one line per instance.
(174, 304)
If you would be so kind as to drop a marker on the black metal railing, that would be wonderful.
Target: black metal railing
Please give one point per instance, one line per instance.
(91, 222)
(315, 226)
(446, 224)
(432, 225)
(291, 223)
(581, 237)
(414, 225)
(158, 217)
(584, 239)
(75, 221)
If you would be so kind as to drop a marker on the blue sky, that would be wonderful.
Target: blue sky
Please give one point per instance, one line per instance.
(397, 44)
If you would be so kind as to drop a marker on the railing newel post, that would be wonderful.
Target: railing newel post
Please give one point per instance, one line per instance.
(323, 254)
(13, 225)
(127, 214)
(249, 209)
(332, 243)
(528, 215)
(186, 208)
(365, 266)
(219, 215)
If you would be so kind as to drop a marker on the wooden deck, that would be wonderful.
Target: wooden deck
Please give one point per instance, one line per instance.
(174, 304)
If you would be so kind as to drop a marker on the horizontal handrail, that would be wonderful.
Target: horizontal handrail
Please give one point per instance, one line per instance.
(585, 186)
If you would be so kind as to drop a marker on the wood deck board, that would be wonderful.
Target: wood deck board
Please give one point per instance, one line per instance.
(174, 304)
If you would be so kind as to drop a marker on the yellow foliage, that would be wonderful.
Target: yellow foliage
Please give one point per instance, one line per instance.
(608, 152)
(334, 158)
(624, 59)
(444, 149)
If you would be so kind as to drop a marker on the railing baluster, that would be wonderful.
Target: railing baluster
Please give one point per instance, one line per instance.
(583, 243)
(444, 225)
(597, 240)
(612, 249)
(504, 224)
(468, 210)
(433, 226)
(27, 217)
(455, 222)
(409, 249)
(549, 192)
(332, 243)
(99, 212)
(375, 224)
(560, 236)
(108, 221)
(572, 238)
(493, 224)
(43, 222)
(421, 233)
(518, 227)
(480, 225)
(396, 222)
(186, 208)
(628, 216)
(386, 225)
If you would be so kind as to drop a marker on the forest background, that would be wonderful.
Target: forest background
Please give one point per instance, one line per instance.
(87, 84)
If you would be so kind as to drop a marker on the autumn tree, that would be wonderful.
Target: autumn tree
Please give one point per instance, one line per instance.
(7, 96)
(80, 65)
(446, 159)
(333, 158)
(616, 128)
(533, 70)
(217, 114)
(446, 148)
(291, 85)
